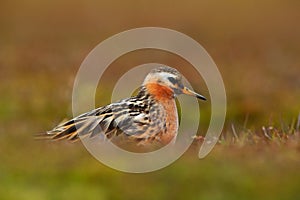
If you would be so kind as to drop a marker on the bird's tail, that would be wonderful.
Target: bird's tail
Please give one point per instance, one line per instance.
(72, 129)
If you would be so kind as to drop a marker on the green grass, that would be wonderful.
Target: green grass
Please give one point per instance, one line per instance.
(60, 171)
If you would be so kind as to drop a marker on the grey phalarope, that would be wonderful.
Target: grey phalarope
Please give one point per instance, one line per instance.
(148, 118)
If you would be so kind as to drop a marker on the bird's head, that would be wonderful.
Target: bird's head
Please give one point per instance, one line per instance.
(170, 79)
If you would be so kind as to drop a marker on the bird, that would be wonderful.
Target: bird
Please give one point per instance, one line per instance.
(147, 120)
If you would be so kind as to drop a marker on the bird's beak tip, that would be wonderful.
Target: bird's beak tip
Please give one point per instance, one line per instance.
(192, 93)
(201, 97)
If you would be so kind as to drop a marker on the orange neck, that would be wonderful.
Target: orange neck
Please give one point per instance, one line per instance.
(160, 92)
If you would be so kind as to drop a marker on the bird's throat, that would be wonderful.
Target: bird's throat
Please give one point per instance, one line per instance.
(159, 92)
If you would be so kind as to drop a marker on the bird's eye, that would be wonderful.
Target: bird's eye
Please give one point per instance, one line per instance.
(172, 80)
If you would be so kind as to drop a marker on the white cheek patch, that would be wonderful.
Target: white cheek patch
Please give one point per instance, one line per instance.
(159, 77)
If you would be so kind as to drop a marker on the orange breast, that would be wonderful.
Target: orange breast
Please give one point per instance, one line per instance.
(165, 96)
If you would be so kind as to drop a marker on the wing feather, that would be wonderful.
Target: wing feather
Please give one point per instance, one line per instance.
(128, 116)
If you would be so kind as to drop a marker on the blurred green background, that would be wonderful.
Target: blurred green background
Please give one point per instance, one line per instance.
(255, 44)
